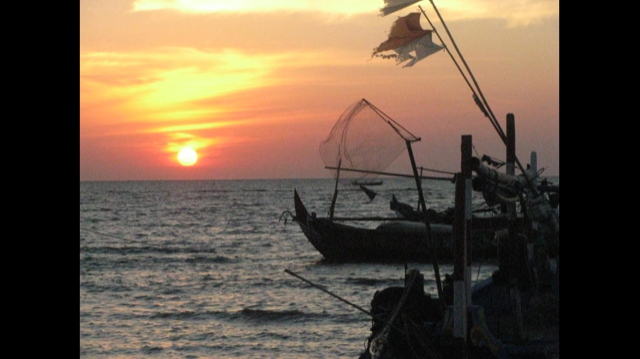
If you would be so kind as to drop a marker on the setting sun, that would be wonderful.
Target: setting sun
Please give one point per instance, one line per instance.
(187, 157)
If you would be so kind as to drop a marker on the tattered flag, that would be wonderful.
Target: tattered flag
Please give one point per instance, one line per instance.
(422, 47)
(408, 40)
(391, 6)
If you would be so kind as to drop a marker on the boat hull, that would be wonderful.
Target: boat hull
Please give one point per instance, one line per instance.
(393, 241)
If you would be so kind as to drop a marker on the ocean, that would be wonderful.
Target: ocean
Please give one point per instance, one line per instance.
(196, 269)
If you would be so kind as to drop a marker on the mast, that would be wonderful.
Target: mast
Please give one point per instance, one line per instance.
(483, 105)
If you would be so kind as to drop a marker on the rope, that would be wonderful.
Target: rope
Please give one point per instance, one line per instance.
(284, 216)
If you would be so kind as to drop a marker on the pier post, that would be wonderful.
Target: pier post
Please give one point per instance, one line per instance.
(514, 241)
(461, 277)
(466, 169)
(511, 157)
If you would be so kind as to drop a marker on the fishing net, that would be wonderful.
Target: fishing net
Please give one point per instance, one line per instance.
(364, 141)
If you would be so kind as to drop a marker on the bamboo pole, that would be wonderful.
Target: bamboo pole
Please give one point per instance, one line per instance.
(466, 171)
(395, 174)
(364, 219)
(434, 258)
(326, 291)
(343, 300)
(484, 103)
(459, 270)
(486, 111)
(514, 236)
(418, 182)
(335, 192)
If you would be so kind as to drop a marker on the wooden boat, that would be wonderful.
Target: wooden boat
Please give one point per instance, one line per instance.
(409, 323)
(393, 241)
(513, 314)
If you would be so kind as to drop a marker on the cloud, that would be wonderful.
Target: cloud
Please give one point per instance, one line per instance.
(515, 12)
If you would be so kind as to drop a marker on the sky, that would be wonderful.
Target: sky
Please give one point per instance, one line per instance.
(254, 86)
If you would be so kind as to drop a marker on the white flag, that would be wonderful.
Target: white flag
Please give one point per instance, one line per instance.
(423, 47)
(391, 6)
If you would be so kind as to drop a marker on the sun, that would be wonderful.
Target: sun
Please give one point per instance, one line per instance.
(187, 156)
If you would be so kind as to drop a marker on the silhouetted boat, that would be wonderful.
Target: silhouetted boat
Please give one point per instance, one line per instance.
(366, 182)
(395, 240)
(513, 314)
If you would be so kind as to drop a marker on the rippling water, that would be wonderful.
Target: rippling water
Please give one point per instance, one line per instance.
(195, 269)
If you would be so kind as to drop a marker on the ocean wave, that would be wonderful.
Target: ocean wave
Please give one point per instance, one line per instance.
(375, 282)
(207, 259)
(262, 315)
(147, 250)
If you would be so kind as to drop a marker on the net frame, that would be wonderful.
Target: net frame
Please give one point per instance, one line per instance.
(365, 139)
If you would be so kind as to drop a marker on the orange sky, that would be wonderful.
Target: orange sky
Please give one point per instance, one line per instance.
(254, 86)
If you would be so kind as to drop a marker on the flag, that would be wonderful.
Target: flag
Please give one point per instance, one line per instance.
(391, 6)
(422, 47)
(408, 40)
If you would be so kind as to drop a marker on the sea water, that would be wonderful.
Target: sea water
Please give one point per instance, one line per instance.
(196, 269)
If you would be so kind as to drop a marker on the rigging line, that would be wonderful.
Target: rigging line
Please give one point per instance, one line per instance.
(475, 150)
(478, 275)
(104, 234)
(464, 76)
(438, 171)
(391, 174)
(448, 52)
(492, 118)
(391, 121)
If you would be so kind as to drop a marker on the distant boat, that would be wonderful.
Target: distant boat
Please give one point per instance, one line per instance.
(366, 182)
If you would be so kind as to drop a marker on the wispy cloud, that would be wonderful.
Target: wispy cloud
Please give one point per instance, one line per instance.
(174, 89)
(515, 12)
(167, 84)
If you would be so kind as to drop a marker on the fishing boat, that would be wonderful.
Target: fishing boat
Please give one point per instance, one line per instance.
(417, 236)
(391, 241)
(366, 182)
(514, 313)
(394, 240)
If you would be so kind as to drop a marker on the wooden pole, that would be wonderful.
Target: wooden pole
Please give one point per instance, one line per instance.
(335, 192)
(514, 241)
(342, 299)
(326, 291)
(511, 157)
(467, 156)
(434, 259)
(459, 269)
(449, 179)
(417, 178)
